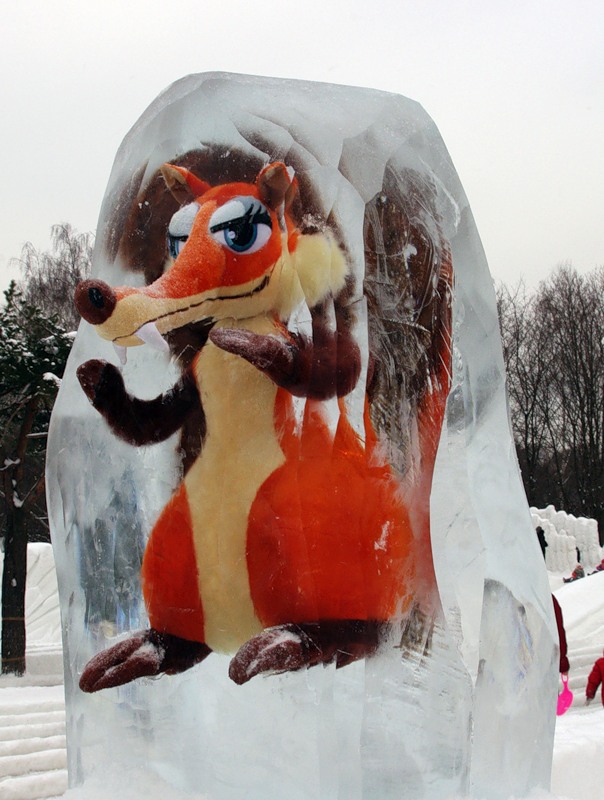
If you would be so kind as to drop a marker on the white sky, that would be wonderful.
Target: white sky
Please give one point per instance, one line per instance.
(515, 87)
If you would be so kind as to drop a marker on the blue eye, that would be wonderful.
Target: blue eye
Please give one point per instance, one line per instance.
(176, 244)
(240, 236)
(180, 228)
(243, 225)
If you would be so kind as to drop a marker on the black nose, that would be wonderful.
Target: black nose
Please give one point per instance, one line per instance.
(95, 300)
(96, 297)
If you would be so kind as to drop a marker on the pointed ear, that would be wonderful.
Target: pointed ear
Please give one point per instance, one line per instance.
(277, 185)
(183, 184)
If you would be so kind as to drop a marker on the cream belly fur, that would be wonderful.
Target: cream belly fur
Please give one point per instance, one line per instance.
(240, 451)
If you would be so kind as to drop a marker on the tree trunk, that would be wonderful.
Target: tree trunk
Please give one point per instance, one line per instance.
(15, 553)
(13, 588)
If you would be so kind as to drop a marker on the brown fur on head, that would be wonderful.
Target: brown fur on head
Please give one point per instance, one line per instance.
(408, 289)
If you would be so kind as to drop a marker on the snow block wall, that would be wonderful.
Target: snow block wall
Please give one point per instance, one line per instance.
(304, 259)
(42, 616)
(565, 534)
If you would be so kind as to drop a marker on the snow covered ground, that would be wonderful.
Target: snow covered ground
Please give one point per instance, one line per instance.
(32, 714)
(32, 742)
(32, 708)
(579, 741)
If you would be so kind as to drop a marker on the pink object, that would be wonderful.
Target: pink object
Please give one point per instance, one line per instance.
(565, 698)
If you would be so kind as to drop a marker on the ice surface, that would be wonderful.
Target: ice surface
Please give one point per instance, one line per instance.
(465, 682)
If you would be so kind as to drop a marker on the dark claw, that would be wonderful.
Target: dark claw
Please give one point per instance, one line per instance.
(143, 654)
(280, 649)
(327, 366)
(275, 357)
(287, 648)
(135, 657)
(98, 378)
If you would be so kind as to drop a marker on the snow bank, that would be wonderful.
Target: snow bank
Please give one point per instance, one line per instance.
(582, 604)
(44, 656)
(579, 741)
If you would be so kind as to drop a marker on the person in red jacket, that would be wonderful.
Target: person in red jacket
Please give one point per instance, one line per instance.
(596, 677)
(564, 665)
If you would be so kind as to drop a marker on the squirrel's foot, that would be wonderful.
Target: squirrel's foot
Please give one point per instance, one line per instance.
(143, 654)
(287, 648)
(283, 648)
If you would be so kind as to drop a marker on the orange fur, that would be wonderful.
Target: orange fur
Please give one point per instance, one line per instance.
(328, 536)
(169, 575)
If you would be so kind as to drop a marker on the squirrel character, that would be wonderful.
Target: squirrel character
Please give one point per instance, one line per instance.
(290, 541)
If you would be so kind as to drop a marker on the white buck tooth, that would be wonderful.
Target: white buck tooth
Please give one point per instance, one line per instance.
(122, 352)
(151, 336)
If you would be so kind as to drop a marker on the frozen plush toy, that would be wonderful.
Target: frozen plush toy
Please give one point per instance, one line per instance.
(292, 544)
(291, 540)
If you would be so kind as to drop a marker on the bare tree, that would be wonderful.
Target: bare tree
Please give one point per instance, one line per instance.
(528, 359)
(571, 307)
(49, 277)
(554, 355)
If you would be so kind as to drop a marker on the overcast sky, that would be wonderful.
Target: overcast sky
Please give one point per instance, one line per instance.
(516, 89)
